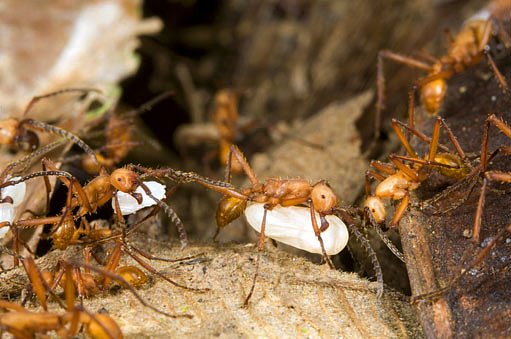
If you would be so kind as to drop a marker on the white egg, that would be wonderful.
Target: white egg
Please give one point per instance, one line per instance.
(293, 226)
(130, 205)
(16, 192)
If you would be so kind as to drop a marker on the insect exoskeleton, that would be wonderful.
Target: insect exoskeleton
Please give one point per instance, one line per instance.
(293, 226)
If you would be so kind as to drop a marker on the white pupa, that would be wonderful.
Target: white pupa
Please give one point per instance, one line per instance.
(16, 192)
(293, 226)
(130, 205)
(8, 210)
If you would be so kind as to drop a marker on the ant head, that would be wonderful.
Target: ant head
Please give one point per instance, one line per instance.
(27, 140)
(124, 180)
(432, 95)
(323, 198)
(8, 131)
(376, 208)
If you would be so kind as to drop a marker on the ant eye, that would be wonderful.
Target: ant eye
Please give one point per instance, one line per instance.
(323, 196)
(119, 179)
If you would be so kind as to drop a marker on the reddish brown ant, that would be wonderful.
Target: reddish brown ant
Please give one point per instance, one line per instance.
(19, 134)
(399, 179)
(99, 191)
(25, 324)
(118, 133)
(277, 194)
(466, 49)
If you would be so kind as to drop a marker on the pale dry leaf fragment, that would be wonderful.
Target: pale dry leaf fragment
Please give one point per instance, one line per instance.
(64, 44)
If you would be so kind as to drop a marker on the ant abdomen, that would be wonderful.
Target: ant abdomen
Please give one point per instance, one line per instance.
(229, 209)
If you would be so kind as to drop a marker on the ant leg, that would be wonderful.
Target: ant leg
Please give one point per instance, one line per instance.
(503, 177)
(433, 146)
(63, 133)
(500, 77)
(382, 235)
(127, 285)
(479, 213)
(317, 232)
(400, 210)
(152, 270)
(149, 256)
(492, 176)
(449, 36)
(454, 140)
(371, 174)
(423, 162)
(421, 135)
(112, 263)
(171, 214)
(36, 280)
(25, 161)
(411, 106)
(402, 138)
(477, 260)
(380, 81)
(384, 167)
(118, 213)
(35, 99)
(260, 246)
(367, 247)
(409, 172)
(503, 127)
(47, 186)
(234, 150)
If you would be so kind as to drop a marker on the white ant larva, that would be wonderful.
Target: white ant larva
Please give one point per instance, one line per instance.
(292, 226)
(12, 197)
(129, 205)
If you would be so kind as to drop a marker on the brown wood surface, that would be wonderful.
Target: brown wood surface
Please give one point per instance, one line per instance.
(433, 242)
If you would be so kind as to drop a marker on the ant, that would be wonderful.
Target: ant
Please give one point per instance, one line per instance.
(87, 199)
(12, 196)
(25, 324)
(118, 132)
(399, 179)
(284, 196)
(466, 49)
(227, 128)
(223, 130)
(18, 134)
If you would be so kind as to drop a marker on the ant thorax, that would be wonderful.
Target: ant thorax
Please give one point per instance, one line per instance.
(292, 226)
(130, 205)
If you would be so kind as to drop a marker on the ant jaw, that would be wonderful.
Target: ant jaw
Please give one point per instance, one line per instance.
(7, 200)
(324, 223)
(138, 197)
